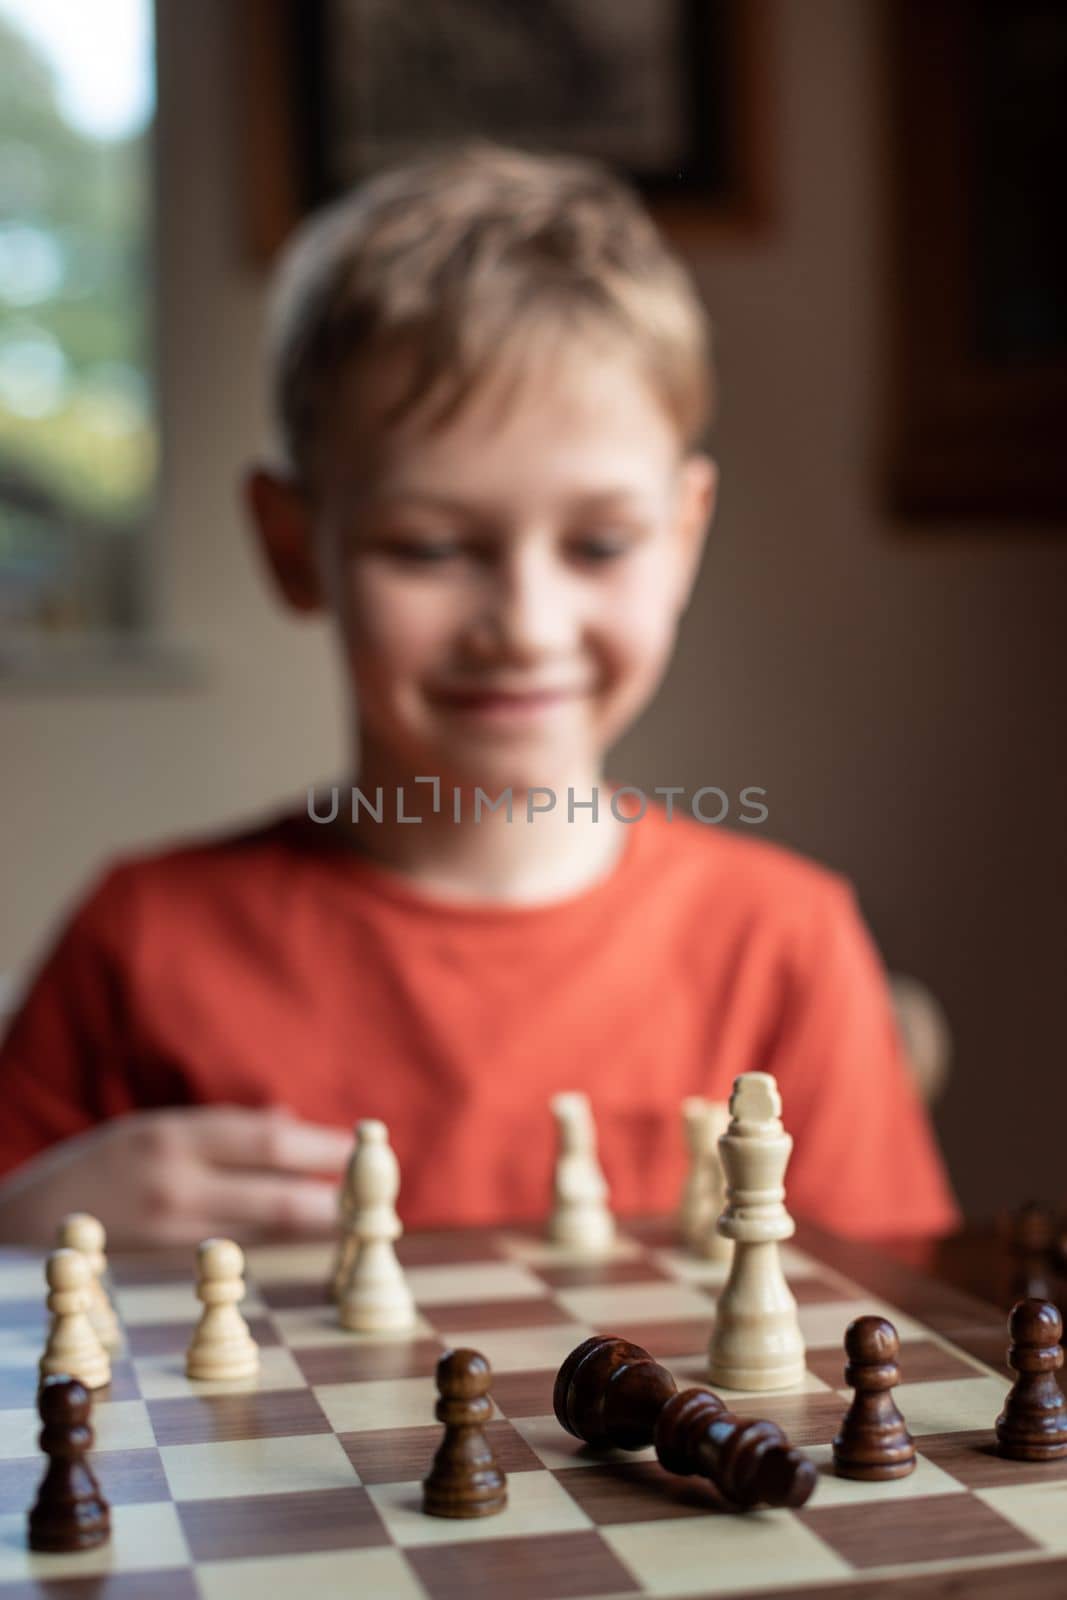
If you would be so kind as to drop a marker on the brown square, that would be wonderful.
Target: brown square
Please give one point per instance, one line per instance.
(921, 1361)
(973, 1458)
(817, 1291)
(594, 1274)
(806, 1418)
(404, 1455)
(684, 1336)
(363, 1363)
(636, 1491)
(545, 1567)
(941, 1527)
(524, 1394)
(123, 1385)
(179, 1584)
(168, 1264)
(532, 1312)
(281, 1524)
(294, 1296)
(259, 1414)
(446, 1247)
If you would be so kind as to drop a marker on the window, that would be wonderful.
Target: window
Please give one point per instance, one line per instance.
(78, 432)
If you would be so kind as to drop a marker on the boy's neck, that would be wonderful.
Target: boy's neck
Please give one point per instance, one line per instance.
(516, 862)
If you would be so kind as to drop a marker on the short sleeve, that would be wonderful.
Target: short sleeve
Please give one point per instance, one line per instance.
(865, 1160)
(63, 1052)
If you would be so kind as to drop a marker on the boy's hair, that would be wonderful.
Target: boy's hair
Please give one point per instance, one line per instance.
(472, 253)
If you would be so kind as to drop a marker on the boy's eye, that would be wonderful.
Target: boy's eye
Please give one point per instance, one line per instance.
(422, 552)
(599, 548)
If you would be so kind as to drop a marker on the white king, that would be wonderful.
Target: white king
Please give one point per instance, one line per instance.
(756, 1341)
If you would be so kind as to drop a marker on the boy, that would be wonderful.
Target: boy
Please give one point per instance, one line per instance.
(490, 380)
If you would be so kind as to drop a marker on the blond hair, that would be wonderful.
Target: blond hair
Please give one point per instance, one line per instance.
(469, 255)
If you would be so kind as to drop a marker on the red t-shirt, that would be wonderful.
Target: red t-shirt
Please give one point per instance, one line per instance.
(273, 966)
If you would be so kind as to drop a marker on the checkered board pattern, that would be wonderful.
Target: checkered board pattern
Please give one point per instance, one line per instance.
(306, 1481)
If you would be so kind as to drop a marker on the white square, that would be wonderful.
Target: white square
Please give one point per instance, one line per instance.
(170, 1302)
(291, 1263)
(952, 1406)
(536, 1504)
(383, 1403)
(521, 1349)
(927, 1479)
(378, 1574)
(221, 1470)
(1037, 1509)
(737, 1553)
(823, 1324)
(542, 1253)
(318, 1327)
(472, 1280)
(624, 1303)
(555, 1448)
(163, 1377)
(144, 1538)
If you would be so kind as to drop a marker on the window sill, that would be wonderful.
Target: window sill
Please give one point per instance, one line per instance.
(99, 663)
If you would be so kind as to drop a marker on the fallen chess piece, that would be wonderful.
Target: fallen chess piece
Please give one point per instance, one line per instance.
(69, 1512)
(222, 1346)
(80, 1231)
(874, 1443)
(613, 1395)
(1033, 1423)
(465, 1479)
(73, 1348)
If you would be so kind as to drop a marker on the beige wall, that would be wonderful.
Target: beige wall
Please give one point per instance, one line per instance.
(894, 690)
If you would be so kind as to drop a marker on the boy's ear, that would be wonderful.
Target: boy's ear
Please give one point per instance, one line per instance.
(696, 508)
(281, 515)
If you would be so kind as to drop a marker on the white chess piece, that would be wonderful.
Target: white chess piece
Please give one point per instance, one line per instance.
(704, 1194)
(79, 1231)
(73, 1348)
(756, 1341)
(347, 1242)
(222, 1346)
(580, 1217)
(375, 1297)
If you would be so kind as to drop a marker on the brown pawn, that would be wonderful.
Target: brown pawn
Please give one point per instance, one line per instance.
(874, 1443)
(612, 1394)
(69, 1513)
(465, 1479)
(1033, 1424)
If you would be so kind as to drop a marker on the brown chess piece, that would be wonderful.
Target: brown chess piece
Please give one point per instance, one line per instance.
(613, 1395)
(465, 1479)
(69, 1513)
(1029, 1232)
(873, 1443)
(1033, 1423)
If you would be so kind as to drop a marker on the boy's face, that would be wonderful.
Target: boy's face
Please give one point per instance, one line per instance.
(507, 589)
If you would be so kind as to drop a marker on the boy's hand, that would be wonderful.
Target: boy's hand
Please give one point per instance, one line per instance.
(179, 1176)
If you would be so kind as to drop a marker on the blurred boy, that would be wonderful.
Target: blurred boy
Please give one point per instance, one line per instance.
(491, 379)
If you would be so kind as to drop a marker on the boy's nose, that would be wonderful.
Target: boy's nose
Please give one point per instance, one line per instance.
(527, 612)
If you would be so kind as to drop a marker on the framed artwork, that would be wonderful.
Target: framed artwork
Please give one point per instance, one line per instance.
(673, 93)
(978, 107)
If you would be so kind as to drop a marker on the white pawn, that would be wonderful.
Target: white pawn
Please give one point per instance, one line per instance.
(79, 1231)
(756, 1341)
(704, 1194)
(347, 1242)
(73, 1348)
(580, 1217)
(375, 1297)
(222, 1346)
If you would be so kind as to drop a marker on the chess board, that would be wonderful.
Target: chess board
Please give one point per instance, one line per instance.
(306, 1481)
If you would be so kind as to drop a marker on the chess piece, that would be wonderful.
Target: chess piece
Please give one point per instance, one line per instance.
(347, 1242)
(1033, 1423)
(1030, 1231)
(580, 1219)
(612, 1394)
(80, 1231)
(704, 1195)
(222, 1346)
(756, 1341)
(375, 1297)
(69, 1512)
(873, 1443)
(73, 1348)
(465, 1479)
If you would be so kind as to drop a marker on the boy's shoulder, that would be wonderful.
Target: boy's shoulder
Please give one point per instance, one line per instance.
(735, 871)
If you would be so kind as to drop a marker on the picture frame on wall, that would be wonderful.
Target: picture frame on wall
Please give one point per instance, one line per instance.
(977, 414)
(671, 93)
